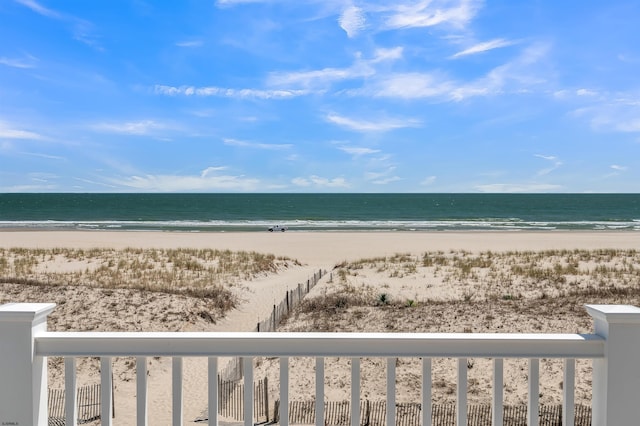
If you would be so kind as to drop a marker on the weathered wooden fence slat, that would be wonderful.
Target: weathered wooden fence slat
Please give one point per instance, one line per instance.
(88, 403)
(337, 413)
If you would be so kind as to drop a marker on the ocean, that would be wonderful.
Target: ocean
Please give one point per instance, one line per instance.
(321, 212)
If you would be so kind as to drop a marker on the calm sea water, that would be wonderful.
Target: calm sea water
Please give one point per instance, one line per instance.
(317, 212)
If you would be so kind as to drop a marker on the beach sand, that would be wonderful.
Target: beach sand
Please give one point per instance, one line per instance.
(314, 250)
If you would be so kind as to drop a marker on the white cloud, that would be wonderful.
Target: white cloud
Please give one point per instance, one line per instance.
(586, 92)
(428, 13)
(18, 63)
(265, 146)
(619, 168)
(320, 182)
(516, 76)
(159, 89)
(229, 3)
(190, 43)
(144, 127)
(383, 177)
(413, 86)
(300, 181)
(211, 170)
(484, 47)
(319, 77)
(555, 163)
(39, 9)
(352, 21)
(612, 112)
(7, 132)
(386, 180)
(82, 29)
(361, 68)
(41, 155)
(429, 180)
(206, 181)
(379, 125)
(356, 150)
(391, 54)
(511, 187)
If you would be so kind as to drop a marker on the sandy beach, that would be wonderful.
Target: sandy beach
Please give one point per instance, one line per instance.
(304, 253)
(327, 248)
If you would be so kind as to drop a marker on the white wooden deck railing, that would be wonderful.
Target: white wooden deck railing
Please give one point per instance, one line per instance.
(614, 347)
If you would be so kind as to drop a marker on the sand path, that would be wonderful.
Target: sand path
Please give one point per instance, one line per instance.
(256, 306)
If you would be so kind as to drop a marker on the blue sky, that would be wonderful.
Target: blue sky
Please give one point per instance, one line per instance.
(319, 96)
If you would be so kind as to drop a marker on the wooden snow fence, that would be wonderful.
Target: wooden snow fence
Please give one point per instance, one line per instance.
(373, 413)
(88, 405)
(292, 298)
(231, 400)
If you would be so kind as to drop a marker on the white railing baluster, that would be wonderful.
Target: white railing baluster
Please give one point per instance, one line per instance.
(176, 386)
(461, 410)
(534, 392)
(497, 409)
(247, 366)
(568, 392)
(284, 391)
(320, 391)
(391, 391)
(70, 392)
(212, 408)
(355, 391)
(106, 397)
(142, 416)
(426, 391)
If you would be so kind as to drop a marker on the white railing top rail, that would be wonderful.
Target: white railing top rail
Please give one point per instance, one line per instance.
(489, 345)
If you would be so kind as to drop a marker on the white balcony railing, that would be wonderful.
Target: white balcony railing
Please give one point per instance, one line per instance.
(25, 344)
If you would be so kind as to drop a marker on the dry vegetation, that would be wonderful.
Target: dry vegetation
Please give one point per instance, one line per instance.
(130, 290)
(208, 274)
(519, 292)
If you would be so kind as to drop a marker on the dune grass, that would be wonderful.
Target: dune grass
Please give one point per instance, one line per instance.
(205, 273)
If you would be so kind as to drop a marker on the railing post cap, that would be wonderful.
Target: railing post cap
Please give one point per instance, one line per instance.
(25, 312)
(615, 314)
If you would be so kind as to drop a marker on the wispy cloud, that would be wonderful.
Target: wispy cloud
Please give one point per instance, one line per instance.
(619, 168)
(227, 93)
(383, 177)
(45, 156)
(358, 150)
(428, 181)
(619, 112)
(18, 63)
(321, 78)
(352, 20)
(555, 164)
(39, 9)
(413, 86)
(7, 132)
(484, 47)
(190, 43)
(379, 125)
(429, 13)
(229, 3)
(83, 30)
(143, 127)
(208, 180)
(320, 182)
(257, 145)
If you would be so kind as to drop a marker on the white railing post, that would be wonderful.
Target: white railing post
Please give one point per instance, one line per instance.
(23, 375)
(616, 377)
